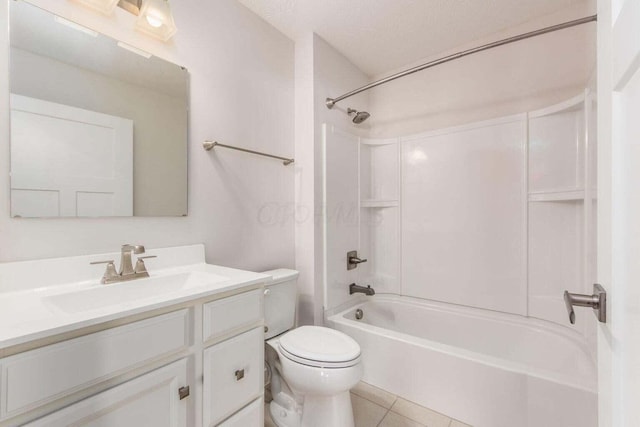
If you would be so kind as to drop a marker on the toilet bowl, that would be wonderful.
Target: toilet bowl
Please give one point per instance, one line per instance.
(312, 367)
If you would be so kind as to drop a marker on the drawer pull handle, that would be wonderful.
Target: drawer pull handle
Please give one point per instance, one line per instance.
(183, 392)
(239, 374)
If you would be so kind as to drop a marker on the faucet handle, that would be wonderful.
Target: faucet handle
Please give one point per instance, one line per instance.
(141, 269)
(110, 273)
(109, 261)
(353, 260)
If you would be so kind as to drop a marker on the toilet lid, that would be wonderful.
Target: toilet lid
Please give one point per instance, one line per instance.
(316, 343)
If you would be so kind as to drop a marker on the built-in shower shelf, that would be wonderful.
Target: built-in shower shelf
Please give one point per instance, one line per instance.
(557, 196)
(371, 203)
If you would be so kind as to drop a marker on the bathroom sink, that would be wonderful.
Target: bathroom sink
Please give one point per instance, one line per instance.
(100, 296)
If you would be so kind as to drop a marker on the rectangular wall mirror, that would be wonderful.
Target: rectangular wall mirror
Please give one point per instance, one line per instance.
(98, 128)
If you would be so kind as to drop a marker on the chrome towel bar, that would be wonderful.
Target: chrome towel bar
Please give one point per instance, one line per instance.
(208, 145)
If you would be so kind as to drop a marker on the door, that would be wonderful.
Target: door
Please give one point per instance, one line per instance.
(151, 400)
(619, 210)
(66, 161)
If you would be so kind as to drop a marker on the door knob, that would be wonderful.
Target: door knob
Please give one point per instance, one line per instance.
(597, 301)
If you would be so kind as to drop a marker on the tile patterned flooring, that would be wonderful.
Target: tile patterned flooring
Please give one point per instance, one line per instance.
(374, 407)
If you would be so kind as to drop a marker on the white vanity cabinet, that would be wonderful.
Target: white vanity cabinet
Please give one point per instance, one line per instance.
(155, 369)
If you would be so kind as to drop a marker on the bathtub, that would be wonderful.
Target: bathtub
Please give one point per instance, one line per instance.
(485, 368)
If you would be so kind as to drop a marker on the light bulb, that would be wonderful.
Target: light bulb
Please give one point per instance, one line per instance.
(154, 22)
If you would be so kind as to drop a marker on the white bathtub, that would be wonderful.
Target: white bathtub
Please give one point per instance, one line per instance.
(484, 368)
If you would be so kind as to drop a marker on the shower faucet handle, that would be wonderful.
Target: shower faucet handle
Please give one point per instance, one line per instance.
(353, 260)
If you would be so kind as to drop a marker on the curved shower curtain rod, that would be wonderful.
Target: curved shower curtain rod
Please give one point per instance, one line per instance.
(330, 102)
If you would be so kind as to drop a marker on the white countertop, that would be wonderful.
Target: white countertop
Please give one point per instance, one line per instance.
(32, 313)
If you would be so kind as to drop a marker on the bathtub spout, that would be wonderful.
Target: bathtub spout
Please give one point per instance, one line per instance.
(353, 288)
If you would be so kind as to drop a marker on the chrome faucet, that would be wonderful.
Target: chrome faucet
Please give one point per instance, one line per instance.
(127, 271)
(353, 289)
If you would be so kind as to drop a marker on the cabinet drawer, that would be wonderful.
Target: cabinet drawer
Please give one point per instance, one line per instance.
(233, 375)
(36, 377)
(228, 314)
(151, 400)
(250, 416)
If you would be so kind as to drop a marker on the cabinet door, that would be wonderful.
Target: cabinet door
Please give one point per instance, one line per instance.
(233, 375)
(251, 415)
(151, 400)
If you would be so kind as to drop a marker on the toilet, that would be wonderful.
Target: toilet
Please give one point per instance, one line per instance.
(311, 368)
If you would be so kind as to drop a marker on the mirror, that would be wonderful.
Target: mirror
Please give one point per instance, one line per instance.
(98, 127)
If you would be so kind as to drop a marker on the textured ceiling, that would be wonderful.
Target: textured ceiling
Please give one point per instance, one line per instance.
(382, 35)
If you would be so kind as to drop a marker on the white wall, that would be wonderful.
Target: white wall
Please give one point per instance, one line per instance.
(511, 79)
(305, 223)
(159, 152)
(321, 72)
(241, 93)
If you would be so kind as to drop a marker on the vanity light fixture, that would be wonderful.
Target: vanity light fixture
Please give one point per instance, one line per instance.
(154, 16)
(156, 20)
(131, 6)
(102, 6)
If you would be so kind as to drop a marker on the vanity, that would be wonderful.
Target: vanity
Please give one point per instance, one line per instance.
(183, 347)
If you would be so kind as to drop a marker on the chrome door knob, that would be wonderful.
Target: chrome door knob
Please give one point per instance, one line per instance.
(597, 301)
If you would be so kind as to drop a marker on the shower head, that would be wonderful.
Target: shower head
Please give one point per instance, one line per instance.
(359, 116)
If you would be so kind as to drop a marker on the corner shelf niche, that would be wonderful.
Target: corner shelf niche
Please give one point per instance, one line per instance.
(380, 214)
(561, 208)
(378, 203)
(557, 148)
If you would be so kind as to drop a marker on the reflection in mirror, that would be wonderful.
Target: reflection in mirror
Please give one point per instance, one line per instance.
(98, 127)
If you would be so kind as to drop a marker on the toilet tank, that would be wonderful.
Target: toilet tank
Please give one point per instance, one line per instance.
(280, 301)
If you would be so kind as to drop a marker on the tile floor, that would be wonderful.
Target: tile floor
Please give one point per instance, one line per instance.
(374, 407)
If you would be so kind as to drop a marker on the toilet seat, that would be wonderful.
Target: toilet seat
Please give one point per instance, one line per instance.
(320, 347)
